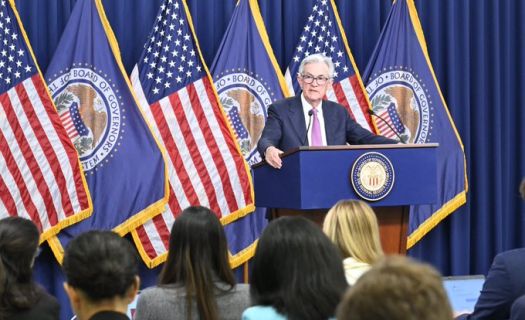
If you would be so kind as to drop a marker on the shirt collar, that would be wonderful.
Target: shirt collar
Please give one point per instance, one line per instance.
(307, 106)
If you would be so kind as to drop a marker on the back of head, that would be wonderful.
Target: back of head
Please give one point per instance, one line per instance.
(197, 256)
(397, 288)
(101, 264)
(297, 270)
(352, 226)
(18, 244)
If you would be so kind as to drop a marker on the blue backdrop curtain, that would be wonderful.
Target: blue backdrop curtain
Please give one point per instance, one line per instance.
(477, 49)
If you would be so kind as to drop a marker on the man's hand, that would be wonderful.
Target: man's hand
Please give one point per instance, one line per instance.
(272, 157)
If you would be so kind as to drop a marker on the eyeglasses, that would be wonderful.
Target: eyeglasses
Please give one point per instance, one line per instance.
(321, 80)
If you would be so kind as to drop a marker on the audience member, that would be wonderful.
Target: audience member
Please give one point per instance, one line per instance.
(396, 288)
(196, 281)
(101, 272)
(504, 284)
(517, 311)
(297, 273)
(352, 226)
(20, 297)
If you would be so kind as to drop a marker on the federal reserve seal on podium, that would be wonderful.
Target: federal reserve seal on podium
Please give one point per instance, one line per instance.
(372, 176)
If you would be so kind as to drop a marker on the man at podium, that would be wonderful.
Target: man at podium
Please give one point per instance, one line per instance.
(307, 119)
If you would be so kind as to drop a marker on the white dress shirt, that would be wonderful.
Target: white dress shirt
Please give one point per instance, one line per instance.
(306, 108)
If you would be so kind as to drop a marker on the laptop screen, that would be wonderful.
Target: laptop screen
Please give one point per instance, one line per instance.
(463, 291)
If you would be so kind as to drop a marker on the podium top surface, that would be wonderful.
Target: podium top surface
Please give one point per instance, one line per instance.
(353, 147)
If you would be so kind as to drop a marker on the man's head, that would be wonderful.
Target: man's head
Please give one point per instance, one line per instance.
(101, 271)
(315, 77)
(397, 288)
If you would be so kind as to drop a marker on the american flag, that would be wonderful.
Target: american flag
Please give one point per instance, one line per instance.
(391, 116)
(206, 166)
(236, 121)
(323, 33)
(72, 122)
(40, 174)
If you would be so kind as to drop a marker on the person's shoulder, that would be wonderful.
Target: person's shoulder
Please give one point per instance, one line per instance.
(160, 292)
(239, 293)
(47, 303)
(286, 102)
(45, 308)
(262, 313)
(242, 287)
(48, 299)
(511, 255)
(334, 106)
(514, 252)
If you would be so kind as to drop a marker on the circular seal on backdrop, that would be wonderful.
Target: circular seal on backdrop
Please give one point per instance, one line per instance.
(372, 176)
(401, 97)
(245, 98)
(90, 112)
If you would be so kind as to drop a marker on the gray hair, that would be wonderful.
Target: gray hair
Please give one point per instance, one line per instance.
(315, 58)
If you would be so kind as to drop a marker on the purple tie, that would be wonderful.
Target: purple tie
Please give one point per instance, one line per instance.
(316, 140)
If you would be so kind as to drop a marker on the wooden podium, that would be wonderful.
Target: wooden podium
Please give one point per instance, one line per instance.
(313, 179)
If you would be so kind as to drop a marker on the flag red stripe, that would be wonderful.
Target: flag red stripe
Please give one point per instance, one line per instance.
(67, 122)
(146, 242)
(193, 148)
(217, 157)
(49, 152)
(160, 224)
(30, 159)
(162, 229)
(173, 153)
(341, 98)
(11, 163)
(239, 163)
(361, 98)
(7, 198)
(67, 145)
(174, 205)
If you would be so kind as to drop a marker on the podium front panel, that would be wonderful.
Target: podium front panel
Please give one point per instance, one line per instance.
(318, 178)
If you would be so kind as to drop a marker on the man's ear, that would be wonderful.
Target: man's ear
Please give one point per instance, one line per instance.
(74, 298)
(300, 80)
(133, 289)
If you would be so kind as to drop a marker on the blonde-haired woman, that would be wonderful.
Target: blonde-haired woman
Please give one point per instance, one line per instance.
(352, 226)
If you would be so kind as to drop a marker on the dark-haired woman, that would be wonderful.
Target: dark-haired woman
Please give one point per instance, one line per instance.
(196, 281)
(102, 278)
(20, 297)
(297, 273)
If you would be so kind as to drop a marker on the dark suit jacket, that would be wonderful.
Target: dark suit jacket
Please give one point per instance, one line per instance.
(285, 128)
(505, 283)
(109, 315)
(517, 312)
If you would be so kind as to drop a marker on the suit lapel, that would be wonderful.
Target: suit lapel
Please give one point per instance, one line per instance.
(296, 116)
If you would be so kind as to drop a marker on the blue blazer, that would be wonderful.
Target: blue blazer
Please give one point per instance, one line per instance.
(285, 127)
(505, 283)
(517, 312)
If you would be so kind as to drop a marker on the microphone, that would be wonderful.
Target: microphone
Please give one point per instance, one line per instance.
(371, 112)
(310, 113)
